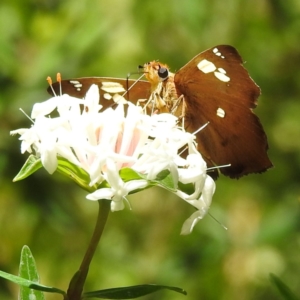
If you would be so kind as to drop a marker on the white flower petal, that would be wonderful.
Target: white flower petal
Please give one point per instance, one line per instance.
(48, 153)
(49, 160)
(104, 193)
(208, 191)
(104, 142)
(135, 185)
(44, 108)
(112, 174)
(117, 205)
(195, 171)
(92, 99)
(190, 223)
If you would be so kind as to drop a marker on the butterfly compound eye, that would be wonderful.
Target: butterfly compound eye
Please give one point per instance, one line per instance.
(163, 73)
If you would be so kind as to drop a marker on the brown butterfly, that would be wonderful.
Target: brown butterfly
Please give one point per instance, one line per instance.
(212, 88)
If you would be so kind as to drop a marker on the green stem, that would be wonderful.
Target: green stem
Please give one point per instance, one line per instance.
(77, 282)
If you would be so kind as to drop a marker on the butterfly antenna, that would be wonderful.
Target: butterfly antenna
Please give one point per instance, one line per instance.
(217, 221)
(130, 87)
(127, 85)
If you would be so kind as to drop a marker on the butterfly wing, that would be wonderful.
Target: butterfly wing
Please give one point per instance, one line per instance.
(218, 89)
(133, 90)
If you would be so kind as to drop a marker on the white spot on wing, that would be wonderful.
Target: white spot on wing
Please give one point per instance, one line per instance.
(107, 96)
(76, 84)
(206, 66)
(217, 52)
(220, 112)
(221, 70)
(222, 76)
(119, 99)
(112, 87)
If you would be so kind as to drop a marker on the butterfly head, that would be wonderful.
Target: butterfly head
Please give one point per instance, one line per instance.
(156, 72)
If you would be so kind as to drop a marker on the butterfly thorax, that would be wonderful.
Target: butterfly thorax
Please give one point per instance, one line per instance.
(164, 95)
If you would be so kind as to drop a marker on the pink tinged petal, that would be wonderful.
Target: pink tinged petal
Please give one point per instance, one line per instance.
(91, 134)
(104, 193)
(112, 125)
(130, 123)
(133, 147)
(141, 136)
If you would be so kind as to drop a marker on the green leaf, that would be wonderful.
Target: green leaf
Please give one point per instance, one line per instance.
(28, 279)
(30, 284)
(165, 180)
(77, 174)
(130, 292)
(162, 175)
(31, 165)
(128, 174)
(28, 270)
(284, 290)
(188, 188)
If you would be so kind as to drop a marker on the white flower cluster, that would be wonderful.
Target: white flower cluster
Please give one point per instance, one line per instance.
(104, 142)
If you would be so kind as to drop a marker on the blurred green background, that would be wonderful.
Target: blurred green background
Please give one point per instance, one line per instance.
(111, 38)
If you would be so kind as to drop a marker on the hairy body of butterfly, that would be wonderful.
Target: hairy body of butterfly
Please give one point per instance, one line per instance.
(212, 88)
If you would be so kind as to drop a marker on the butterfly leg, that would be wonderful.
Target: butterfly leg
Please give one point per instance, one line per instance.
(180, 106)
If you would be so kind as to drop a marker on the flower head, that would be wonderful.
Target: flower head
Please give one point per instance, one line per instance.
(104, 143)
